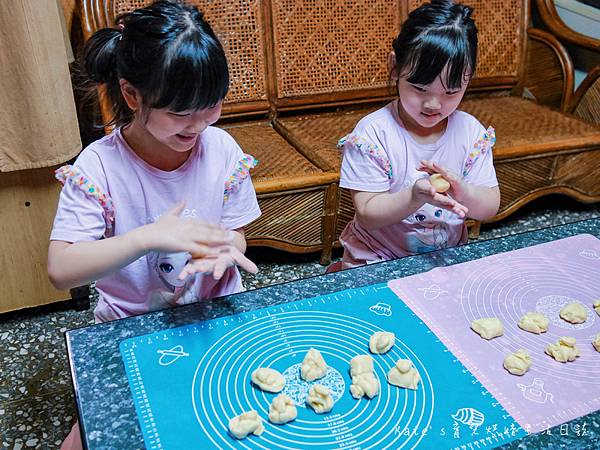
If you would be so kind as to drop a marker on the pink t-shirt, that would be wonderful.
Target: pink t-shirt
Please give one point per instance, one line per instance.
(381, 156)
(110, 191)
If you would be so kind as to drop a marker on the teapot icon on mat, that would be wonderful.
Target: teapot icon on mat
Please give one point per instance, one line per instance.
(535, 392)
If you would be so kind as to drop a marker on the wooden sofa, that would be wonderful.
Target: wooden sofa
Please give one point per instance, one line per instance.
(304, 72)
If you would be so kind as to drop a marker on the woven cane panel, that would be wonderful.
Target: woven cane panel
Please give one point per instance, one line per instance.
(501, 29)
(316, 135)
(543, 74)
(240, 27)
(517, 178)
(579, 171)
(276, 158)
(325, 46)
(521, 123)
(589, 106)
(345, 212)
(294, 218)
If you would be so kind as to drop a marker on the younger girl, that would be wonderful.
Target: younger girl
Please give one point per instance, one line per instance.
(388, 157)
(164, 185)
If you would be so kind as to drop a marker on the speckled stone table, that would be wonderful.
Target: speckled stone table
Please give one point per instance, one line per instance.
(104, 402)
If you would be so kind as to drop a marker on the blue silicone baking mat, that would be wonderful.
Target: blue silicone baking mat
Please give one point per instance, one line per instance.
(187, 382)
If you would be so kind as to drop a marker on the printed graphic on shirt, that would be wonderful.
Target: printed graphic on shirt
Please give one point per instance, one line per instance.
(430, 229)
(167, 267)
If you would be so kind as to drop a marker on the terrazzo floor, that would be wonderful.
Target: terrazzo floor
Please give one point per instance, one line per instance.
(36, 399)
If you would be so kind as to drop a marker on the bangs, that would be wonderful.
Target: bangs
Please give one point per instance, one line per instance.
(427, 60)
(195, 75)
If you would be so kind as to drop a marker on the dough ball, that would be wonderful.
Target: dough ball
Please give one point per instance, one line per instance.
(564, 350)
(574, 313)
(597, 306)
(488, 328)
(596, 342)
(439, 183)
(363, 379)
(361, 364)
(518, 363)
(313, 366)
(268, 379)
(403, 374)
(381, 342)
(534, 322)
(319, 398)
(282, 410)
(246, 423)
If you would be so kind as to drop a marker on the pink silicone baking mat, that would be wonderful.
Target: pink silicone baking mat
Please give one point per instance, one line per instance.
(541, 278)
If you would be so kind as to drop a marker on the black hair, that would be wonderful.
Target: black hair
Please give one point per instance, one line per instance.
(167, 52)
(435, 35)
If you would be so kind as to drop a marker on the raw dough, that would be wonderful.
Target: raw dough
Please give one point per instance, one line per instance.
(363, 379)
(282, 410)
(439, 183)
(564, 349)
(268, 379)
(319, 398)
(381, 342)
(519, 362)
(534, 322)
(574, 313)
(313, 366)
(597, 306)
(488, 328)
(403, 374)
(596, 342)
(246, 423)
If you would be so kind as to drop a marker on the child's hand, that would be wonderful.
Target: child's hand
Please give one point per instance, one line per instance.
(173, 233)
(424, 192)
(456, 183)
(217, 264)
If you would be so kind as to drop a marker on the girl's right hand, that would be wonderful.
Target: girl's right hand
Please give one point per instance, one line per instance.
(173, 233)
(424, 192)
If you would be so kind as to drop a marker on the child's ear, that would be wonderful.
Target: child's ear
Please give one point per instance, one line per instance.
(393, 69)
(130, 94)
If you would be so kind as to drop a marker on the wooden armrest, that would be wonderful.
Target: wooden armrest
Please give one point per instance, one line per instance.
(553, 21)
(587, 98)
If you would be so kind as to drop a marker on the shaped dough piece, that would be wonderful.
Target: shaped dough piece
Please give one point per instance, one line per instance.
(597, 306)
(282, 410)
(564, 350)
(319, 398)
(313, 366)
(534, 322)
(246, 423)
(361, 364)
(596, 342)
(363, 379)
(403, 374)
(381, 342)
(439, 183)
(488, 328)
(574, 313)
(518, 363)
(364, 384)
(268, 379)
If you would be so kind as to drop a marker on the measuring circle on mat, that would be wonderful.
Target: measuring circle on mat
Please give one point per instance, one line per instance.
(531, 283)
(221, 387)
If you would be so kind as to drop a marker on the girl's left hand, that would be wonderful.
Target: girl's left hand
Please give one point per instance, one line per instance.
(217, 264)
(456, 184)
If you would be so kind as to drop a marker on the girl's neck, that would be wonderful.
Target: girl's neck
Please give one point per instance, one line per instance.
(152, 151)
(420, 134)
